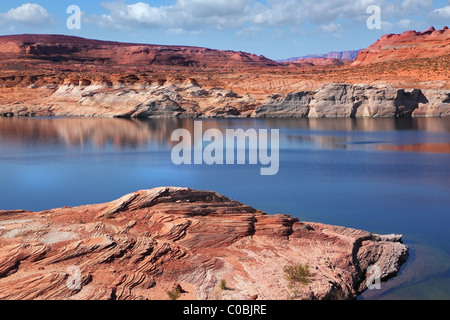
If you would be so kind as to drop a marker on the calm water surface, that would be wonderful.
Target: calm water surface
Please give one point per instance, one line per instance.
(380, 175)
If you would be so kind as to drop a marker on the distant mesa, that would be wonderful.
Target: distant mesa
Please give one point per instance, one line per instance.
(331, 58)
(68, 49)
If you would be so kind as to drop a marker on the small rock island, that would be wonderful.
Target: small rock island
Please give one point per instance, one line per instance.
(204, 244)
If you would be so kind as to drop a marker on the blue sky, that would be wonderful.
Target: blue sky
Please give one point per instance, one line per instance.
(276, 29)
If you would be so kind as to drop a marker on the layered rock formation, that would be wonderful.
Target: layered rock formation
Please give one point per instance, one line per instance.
(343, 100)
(75, 52)
(175, 98)
(408, 45)
(187, 99)
(145, 243)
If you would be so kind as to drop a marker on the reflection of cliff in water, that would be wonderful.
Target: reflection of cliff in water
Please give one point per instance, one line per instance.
(363, 124)
(132, 133)
(122, 133)
(360, 134)
(419, 147)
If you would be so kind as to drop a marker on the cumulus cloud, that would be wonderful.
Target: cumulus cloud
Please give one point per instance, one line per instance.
(440, 15)
(277, 13)
(124, 16)
(199, 14)
(248, 32)
(207, 8)
(195, 15)
(404, 24)
(30, 14)
(184, 14)
(331, 27)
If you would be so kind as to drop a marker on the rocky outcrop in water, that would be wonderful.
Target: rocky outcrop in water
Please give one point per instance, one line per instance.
(146, 243)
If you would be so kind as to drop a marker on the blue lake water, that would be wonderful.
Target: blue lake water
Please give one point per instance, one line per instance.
(380, 175)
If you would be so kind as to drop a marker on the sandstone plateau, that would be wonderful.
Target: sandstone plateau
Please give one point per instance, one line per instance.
(344, 56)
(145, 243)
(34, 50)
(45, 75)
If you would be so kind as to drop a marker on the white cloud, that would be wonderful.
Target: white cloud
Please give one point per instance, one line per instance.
(249, 32)
(277, 13)
(331, 27)
(441, 15)
(208, 8)
(403, 24)
(30, 14)
(323, 11)
(184, 14)
(197, 15)
(124, 16)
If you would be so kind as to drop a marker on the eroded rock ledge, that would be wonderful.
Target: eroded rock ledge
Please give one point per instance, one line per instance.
(185, 98)
(345, 101)
(141, 245)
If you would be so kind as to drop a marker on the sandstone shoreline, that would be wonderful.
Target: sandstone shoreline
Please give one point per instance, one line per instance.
(141, 245)
(185, 98)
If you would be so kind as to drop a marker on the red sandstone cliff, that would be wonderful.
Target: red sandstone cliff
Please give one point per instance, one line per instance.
(68, 50)
(408, 45)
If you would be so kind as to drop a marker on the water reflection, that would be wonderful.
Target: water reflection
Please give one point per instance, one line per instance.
(298, 133)
(121, 133)
(422, 147)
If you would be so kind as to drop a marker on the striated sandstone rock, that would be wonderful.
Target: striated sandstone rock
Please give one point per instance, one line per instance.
(138, 246)
(294, 104)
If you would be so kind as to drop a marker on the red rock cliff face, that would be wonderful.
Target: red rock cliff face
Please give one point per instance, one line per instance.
(67, 49)
(408, 45)
(145, 243)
